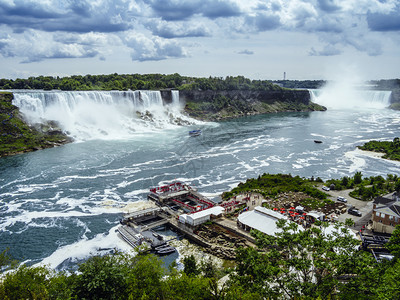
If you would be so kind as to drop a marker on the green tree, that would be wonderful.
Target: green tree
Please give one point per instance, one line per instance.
(26, 283)
(396, 142)
(299, 263)
(102, 278)
(179, 286)
(208, 269)
(6, 262)
(397, 185)
(357, 178)
(394, 243)
(190, 264)
(145, 277)
(345, 181)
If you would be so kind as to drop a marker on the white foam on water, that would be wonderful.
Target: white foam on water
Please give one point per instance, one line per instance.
(138, 205)
(109, 202)
(357, 163)
(373, 155)
(28, 217)
(303, 162)
(318, 135)
(84, 248)
(261, 161)
(218, 182)
(275, 158)
(134, 193)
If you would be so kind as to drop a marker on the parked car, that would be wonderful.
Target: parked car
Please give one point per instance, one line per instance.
(354, 211)
(325, 188)
(342, 199)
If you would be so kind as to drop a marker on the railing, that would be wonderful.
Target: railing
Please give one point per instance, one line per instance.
(184, 204)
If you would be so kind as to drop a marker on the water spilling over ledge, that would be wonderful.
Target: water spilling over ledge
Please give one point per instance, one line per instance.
(103, 114)
(349, 97)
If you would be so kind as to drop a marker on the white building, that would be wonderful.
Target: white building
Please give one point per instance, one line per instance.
(262, 219)
(201, 217)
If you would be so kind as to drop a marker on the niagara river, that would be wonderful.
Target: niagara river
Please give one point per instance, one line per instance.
(58, 206)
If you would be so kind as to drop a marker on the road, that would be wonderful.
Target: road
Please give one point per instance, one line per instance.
(365, 207)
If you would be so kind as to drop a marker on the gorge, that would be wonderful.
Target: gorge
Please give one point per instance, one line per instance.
(62, 204)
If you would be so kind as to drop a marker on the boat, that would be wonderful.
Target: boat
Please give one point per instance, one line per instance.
(196, 132)
(166, 250)
(160, 247)
(317, 141)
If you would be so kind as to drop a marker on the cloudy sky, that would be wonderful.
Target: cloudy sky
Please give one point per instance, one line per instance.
(260, 39)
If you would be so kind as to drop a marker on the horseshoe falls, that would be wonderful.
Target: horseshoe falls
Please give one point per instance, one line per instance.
(350, 98)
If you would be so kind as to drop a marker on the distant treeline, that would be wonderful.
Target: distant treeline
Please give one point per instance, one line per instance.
(300, 84)
(125, 82)
(386, 84)
(137, 82)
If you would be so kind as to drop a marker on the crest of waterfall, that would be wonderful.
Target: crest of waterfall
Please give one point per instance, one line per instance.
(102, 114)
(350, 98)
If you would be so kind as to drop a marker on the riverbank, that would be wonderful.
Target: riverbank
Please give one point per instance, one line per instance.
(390, 149)
(16, 136)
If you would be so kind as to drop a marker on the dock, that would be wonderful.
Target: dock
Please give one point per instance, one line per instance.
(180, 207)
(129, 235)
(137, 228)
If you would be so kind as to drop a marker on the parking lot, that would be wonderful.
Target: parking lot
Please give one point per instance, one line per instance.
(365, 207)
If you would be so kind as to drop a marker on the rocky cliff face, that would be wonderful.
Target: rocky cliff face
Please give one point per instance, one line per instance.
(395, 99)
(217, 105)
(296, 96)
(395, 96)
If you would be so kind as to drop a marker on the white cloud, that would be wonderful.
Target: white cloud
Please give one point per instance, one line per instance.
(158, 30)
(176, 29)
(34, 46)
(147, 49)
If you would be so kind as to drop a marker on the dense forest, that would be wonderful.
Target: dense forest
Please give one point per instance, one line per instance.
(295, 264)
(137, 82)
(386, 84)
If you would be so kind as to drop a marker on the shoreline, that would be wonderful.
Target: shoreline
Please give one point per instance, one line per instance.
(371, 153)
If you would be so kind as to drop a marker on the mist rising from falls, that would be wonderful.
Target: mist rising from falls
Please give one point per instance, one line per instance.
(102, 114)
(347, 96)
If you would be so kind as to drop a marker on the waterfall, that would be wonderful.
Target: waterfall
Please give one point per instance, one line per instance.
(175, 97)
(350, 98)
(101, 114)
